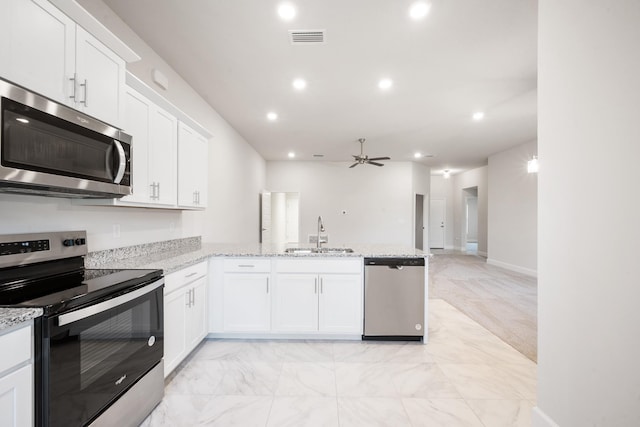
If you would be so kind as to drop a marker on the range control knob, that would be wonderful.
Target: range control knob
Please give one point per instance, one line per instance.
(68, 242)
(80, 242)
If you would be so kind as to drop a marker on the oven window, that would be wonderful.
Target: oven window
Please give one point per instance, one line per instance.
(94, 360)
(106, 345)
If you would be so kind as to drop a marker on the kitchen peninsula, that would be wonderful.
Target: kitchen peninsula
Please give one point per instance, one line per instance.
(255, 291)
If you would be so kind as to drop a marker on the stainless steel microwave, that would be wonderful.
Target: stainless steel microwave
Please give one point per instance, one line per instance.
(49, 149)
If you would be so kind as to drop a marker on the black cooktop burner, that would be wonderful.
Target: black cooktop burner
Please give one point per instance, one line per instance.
(58, 286)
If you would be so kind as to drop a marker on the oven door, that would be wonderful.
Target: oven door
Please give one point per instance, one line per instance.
(94, 354)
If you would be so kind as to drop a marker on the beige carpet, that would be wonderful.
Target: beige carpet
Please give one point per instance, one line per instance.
(502, 301)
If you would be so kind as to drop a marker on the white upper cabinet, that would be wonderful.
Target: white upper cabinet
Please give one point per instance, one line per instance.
(192, 168)
(37, 42)
(99, 79)
(45, 51)
(154, 146)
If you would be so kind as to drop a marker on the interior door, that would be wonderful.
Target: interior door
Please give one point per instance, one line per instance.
(265, 217)
(437, 223)
(419, 222)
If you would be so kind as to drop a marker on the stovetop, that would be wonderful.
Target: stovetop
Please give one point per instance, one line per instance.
(46, 270)
(58, 291)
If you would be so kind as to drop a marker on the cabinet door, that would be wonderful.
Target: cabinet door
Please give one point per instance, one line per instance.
(192, 168)
(247, 302)
(296, 303)
(16, 401)
(341, 303)
(136, 123)
(37, 42)
(101, 79)
(196, 315)
(163, 135)
(175, 323)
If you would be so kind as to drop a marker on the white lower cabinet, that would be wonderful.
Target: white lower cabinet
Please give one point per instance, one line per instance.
(296, 303)
(16, 384)
(246, 295)
(330, 303)
(185, 315)
(286, 297)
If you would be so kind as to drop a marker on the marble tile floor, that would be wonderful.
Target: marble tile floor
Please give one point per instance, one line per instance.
(464, 376)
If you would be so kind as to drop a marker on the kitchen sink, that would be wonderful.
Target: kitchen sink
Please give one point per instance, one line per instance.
(318, 251)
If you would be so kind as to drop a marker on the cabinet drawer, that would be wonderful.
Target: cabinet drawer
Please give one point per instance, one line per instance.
(16, 348)
(182, 277)
(319, 265)
(247, 265)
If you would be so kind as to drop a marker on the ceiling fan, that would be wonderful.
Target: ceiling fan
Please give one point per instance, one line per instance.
(362, 159)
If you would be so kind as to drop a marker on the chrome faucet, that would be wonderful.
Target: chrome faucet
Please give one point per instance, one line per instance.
(320, 229)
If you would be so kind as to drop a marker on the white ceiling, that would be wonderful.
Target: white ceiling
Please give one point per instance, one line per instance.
(466, 55)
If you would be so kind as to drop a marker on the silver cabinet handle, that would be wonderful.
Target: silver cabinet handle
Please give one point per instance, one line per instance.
(190, 274)
(267, 285)
(158, 187)
(246, 265)
(122, 161)
(74, 79)
(321, 285)
(83, 313)
(189, 298)
(86, 92)
(153, 191)
(193, 297)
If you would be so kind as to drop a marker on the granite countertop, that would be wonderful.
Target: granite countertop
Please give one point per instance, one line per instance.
(13, 316)
(179, 258)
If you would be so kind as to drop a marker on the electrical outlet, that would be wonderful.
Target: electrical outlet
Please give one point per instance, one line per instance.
(116, 231)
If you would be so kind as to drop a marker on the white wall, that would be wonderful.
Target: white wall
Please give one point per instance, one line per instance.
(513, 210)
(379, 202)
(589, 146)
(236, 175)
(472, 178)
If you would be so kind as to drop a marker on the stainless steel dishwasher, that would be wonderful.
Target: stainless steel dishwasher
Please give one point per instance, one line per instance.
(394, 298)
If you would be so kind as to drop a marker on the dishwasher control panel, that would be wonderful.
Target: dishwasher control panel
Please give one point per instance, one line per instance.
(411, 262)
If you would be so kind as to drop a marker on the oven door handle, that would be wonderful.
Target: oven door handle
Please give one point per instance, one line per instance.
(83, 313)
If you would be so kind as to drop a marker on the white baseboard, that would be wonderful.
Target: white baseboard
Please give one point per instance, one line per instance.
(272, 336)
(513, 267)
(483, 253)
(540, 419)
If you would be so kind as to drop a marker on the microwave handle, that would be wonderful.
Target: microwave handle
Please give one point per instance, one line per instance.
(122, 162)
(83, 313)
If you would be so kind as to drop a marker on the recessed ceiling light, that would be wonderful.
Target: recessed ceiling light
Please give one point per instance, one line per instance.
(385, 84)
(478, 115)
(22, 120)
(299, 84)
(419, 10)
(287, 11)
(417, 155)
(291, 154)
(272, 116)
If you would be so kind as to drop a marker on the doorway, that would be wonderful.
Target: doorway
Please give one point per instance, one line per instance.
(470, 237)
(279, 217)
(437, 226)
(420, 219)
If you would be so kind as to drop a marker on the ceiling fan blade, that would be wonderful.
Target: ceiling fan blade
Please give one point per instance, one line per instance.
(375, 164)
(354, 165)
(380, 158)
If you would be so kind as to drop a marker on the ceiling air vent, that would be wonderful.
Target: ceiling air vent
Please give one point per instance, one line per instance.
(309, 37)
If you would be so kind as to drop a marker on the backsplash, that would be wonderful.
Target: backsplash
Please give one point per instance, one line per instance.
(98, 258)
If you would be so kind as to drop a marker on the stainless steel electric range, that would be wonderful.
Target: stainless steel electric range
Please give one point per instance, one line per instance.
(99, 345)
